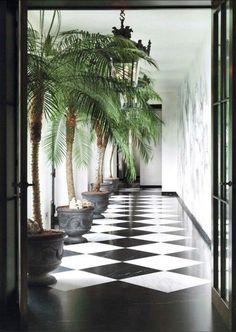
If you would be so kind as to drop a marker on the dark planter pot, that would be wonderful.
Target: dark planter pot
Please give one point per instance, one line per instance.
(45, 251)
(100, 201)
(106, 186)
(75, 222)
(115, 184)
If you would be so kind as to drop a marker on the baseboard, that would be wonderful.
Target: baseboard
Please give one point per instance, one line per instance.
(169, 193)
(149, 186)
(195, 222)
(221, 307)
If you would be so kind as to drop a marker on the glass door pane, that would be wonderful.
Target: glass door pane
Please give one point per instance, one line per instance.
(222, 154)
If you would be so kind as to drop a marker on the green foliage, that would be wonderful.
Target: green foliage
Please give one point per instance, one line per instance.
(75, 70)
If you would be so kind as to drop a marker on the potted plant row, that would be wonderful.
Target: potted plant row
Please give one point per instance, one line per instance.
(69, 84)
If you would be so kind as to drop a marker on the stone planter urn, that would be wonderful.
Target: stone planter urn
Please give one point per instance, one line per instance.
(75, 223)
(100, 201)
(115, 184)
(45, 251)
(106, 186)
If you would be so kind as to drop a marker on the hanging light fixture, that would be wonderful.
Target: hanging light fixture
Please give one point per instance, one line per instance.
(129, 71)
(126, 33)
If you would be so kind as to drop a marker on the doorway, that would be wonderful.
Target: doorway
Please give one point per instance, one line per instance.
(36, 4)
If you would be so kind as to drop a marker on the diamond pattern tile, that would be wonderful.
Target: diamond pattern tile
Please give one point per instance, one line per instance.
(90, 247)
(120, 270)
(159, 229)
(166, 282)
(84, 261)
(159, 237)
(163, 262)
(107, 221)
(101, 237)
(105, 228)
(157, 215)
(67, 281)
(136, 244)
(162, 248)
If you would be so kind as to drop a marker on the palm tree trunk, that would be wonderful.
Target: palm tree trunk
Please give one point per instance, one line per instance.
(35, 125)
(37, 216)
(104, 146)
(70, 136)
(97, 182)
(111, 157)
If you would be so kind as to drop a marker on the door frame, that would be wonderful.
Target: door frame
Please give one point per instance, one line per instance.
(227, 309)
(132, 4)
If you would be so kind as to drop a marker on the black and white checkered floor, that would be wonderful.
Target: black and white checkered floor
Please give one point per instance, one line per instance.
(144, 240)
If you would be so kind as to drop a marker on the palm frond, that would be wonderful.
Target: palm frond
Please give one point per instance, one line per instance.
(82, 149)
(54, 141)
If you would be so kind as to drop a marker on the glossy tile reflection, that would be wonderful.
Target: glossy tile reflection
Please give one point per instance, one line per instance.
(145, 268)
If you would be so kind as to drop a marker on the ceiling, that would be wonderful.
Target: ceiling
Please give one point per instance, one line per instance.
(176, 35)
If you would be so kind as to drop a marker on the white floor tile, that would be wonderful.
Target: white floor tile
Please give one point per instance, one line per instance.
(105, 228)
(91, 247)
(166, 282)
(159, 229)
(96, 237)
(164, 221)
(157, 210)
(156, 215)
(163, 262)
(118, 206)
(162, 248)
(121, 198)
(159, 237)
(85, 261)
(78, 279)
(148, 221)
(107, 221)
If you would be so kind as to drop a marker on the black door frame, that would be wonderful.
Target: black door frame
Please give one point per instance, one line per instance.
(13, 156)
(21, 12)
(224, 102)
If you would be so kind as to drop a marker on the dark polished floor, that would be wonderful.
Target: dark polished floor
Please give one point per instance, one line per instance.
(145, 268)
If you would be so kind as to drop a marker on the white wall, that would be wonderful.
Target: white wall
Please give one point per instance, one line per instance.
(151, 173)
(169, 141)
(106, 173)
(194, 137)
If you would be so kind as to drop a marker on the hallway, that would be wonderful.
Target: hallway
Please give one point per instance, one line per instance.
(145, 268)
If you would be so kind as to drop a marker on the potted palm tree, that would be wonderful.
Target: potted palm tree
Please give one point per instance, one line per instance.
(88, 89)
(45, 247)
(139, 125)
(85, 94)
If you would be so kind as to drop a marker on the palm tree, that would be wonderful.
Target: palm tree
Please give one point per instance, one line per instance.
(88, 88)
(137, 124)
(43, 65)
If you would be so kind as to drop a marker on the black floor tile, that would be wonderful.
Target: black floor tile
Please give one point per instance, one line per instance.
(127, 232)
(132, 218)
(122, 307)
(68, 253)
(131, 224)
(62, 269)
(201, 271)
(124, 254)
(192, 254)
(126, 242)
(120, 270)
